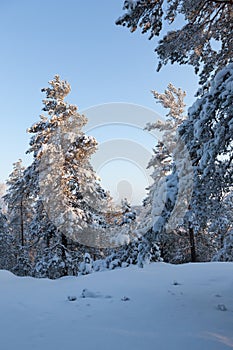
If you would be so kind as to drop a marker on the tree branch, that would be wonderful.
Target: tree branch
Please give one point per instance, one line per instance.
(222, 1)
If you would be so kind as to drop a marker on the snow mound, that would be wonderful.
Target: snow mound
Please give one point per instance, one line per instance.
(6, 275)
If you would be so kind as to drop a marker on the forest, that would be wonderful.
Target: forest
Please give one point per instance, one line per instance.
(57, 220)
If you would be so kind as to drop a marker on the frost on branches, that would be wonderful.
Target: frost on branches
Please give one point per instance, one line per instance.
(58, 195)
(207, 133)
(222, 229)
(20, 210)
(71, 198)
(204, 41)
(168, 196)
(207, 136)
(7, 256)
(128, 215)
(69, 186)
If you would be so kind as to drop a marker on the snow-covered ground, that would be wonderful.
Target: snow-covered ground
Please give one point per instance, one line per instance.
(161, 307)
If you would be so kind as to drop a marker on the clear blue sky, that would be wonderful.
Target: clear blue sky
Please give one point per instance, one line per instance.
(79, 41)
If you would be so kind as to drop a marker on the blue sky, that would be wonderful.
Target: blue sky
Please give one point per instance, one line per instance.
(79, 41)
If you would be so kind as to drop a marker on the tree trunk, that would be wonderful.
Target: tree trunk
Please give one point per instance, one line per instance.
(21, 223)
(192, 244)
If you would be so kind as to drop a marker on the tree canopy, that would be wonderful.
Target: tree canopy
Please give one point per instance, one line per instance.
(204, 39)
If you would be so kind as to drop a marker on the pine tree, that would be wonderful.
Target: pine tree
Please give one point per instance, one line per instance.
(71, 205)
(2, 193)
(15, 199)
(204, 41)
(207, 133)
(128, 215)
(7, 252)
(167, 199)
(226, 252)
(19, 215)
(86, 266)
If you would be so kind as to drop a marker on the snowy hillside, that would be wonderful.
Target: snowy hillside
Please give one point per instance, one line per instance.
(159, 307)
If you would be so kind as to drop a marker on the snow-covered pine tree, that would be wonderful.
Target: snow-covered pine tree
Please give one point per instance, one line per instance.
(70, 201)
(7, 251)
(15, 199)
(168, 164)
(204, 41)
(226, 252)
(3, 222)
(194, 41)
(126, 253)
(221, 229)
(19, 215)
(2, 193)
(128, 214)
(86, 266)
(207, 133)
